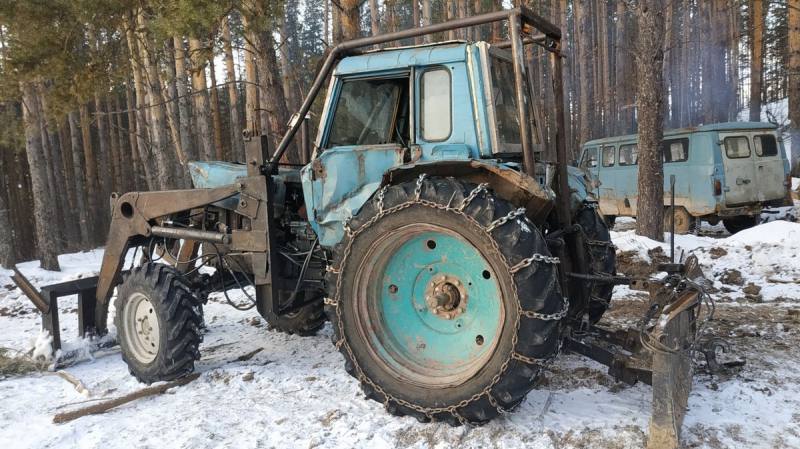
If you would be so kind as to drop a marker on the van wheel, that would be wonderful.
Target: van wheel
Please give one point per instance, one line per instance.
(736, 224)
(684, 222)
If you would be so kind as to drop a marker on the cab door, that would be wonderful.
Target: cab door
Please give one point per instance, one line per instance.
(740, 174)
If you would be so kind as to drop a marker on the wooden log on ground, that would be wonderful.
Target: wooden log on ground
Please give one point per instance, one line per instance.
(103, 407)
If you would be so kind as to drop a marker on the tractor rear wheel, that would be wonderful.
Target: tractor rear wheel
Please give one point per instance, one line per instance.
(158, 322)
(602, 260)
(444, 301)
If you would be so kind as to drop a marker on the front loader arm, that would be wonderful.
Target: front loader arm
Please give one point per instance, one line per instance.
(132, 214)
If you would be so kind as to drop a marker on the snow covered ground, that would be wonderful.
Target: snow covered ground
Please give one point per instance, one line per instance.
(295, 393)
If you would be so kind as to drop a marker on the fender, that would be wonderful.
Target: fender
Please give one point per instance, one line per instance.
(511, 185)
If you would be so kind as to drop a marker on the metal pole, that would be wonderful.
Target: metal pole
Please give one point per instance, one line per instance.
(563, 193)
(517, 50)
(672, 224)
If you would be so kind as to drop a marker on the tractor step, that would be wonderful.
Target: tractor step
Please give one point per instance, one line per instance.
(46, 301)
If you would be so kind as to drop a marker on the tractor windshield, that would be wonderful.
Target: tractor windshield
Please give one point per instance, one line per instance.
(370, 112)
(504, 101)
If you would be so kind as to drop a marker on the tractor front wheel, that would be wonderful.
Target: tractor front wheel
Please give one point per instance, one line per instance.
(444, 301)
(158, 322)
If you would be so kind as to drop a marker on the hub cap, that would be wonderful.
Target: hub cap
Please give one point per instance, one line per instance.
(429, 306)
(141, 333)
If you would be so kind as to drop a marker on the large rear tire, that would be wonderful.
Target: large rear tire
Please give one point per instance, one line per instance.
(158, 321)
(444, 301)
(602, 260)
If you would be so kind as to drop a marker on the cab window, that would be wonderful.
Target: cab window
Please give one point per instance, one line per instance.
(737, 147)
(371, 112)
(675, 150)
(628, 154)
(504, 101)
(608, 156)
(435, 92)
(589, 159)
(765, 145)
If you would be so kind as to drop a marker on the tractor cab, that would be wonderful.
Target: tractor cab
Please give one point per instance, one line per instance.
(453, 101)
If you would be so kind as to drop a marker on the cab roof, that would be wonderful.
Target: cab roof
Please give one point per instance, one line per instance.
(403, 57)
(724, 126)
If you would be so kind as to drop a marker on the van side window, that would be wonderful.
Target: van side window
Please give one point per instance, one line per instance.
(608, 156)
(675, 150)
(436, 121)
(765, 145)
(628, 154)
(589, 159)
(737, 147)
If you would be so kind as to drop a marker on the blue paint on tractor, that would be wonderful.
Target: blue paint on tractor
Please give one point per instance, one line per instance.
(410, 332)
(207, 175)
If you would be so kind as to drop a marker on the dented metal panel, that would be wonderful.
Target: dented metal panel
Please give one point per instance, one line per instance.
(340, 181)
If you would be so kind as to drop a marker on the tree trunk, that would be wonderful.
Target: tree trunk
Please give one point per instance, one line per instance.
(7, 252)
(200, 95)
(42, 202)
(794, 83)
(351, 28)
(113, 131)
(137, 181)
(237, 142)
(216, 116)
(650, 112)
(756, 58)
(415, 19)
(252, 121)
(142, 141)
(450, 10)
(90, 168)
(169, 96)
(80, 185)
(104, 174)
(182, 90)
(585, 67)
(164, 167)
(426, 17)
(274, 115)
(375, 27)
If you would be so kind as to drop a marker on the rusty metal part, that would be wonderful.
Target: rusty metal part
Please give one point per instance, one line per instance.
(30, 291)
(446, 297)
(511, 185)
(190, 234)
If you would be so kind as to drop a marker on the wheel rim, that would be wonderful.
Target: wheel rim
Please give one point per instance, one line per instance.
(141, 328)
(428, 305)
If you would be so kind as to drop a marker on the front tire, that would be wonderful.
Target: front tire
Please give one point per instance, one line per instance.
(158, 322)
(444, 301)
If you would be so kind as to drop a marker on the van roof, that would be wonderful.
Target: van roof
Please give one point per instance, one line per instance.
(725, 126)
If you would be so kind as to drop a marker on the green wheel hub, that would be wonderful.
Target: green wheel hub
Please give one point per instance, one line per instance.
(429, 305)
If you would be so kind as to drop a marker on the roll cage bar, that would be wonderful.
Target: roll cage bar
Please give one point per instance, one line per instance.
(522, 24)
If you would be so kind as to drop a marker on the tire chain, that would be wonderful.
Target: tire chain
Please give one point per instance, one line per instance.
(428, 412)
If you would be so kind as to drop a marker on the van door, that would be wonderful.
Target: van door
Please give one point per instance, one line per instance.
(738, 160)
(770, 176)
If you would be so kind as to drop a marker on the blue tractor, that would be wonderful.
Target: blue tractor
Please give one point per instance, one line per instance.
(452, 262)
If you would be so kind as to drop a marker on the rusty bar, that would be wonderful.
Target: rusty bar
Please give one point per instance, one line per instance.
(526, 15)
(30, 291)
(562, 190)
(190, 234)
(517, 50)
